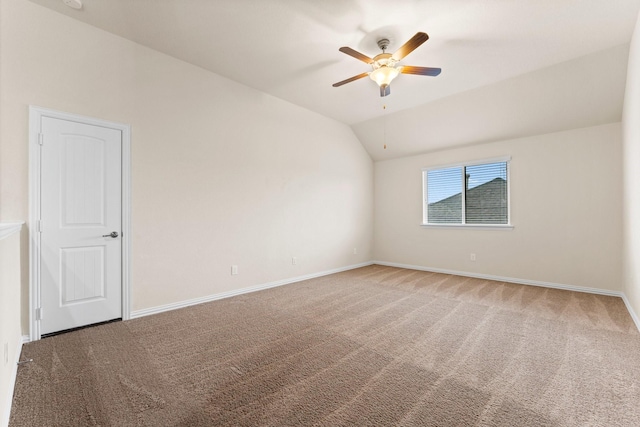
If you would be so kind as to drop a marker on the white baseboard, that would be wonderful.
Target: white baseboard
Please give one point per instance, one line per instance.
(214, 297)
(619, 294)
(506, 279)
(633, 314)
(12, 384)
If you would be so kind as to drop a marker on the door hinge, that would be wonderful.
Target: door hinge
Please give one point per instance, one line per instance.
(40, 138)
(39, 226)
(39, 313)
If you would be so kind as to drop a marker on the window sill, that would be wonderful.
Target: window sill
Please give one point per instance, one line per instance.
(471, 226)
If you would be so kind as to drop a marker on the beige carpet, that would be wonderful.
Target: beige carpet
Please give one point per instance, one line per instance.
(376, 346)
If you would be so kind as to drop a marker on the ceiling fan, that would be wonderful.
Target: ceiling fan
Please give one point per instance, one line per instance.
(384, 65)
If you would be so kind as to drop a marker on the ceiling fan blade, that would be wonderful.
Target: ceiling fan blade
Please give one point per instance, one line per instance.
(350, 79)
(423, 71)
(356, 54)
(386, 90)
(410, 46)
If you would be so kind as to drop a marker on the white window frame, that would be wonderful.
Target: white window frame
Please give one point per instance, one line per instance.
(425, 220)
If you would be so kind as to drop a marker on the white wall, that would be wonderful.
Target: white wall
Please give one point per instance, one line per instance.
(631, 151)
(222, 174)
(566, 203)
(10, 331)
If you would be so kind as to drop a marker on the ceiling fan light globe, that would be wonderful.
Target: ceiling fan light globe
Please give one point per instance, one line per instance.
(384, 75)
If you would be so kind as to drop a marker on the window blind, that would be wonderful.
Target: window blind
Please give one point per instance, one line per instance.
(443, 196)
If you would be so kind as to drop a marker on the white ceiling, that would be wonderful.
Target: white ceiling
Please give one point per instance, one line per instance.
(289, 48)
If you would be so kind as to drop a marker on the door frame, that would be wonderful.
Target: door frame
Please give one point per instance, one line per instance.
(35, 118)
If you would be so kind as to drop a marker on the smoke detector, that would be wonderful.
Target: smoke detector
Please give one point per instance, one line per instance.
(73, 4)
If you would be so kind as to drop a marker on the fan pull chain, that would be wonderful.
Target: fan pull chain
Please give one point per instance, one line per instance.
(384, 107)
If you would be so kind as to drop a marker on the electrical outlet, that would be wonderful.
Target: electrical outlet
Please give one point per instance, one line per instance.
(355, 251)
(472, 257)
(6, 353)
(294, 261)
(234, 270)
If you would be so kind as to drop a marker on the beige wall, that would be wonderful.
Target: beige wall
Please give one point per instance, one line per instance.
(631, 151)
(10, 334)
(566, 202)
(222, 174)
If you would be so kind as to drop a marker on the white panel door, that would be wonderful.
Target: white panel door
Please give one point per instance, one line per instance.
(81, 223)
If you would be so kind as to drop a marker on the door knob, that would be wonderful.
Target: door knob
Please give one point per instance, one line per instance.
(113, 234)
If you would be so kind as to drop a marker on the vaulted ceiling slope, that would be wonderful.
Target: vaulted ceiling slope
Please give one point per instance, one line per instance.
(587, 91)
(289, 49)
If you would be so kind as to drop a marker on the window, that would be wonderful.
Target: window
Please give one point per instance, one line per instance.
(472, 194)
